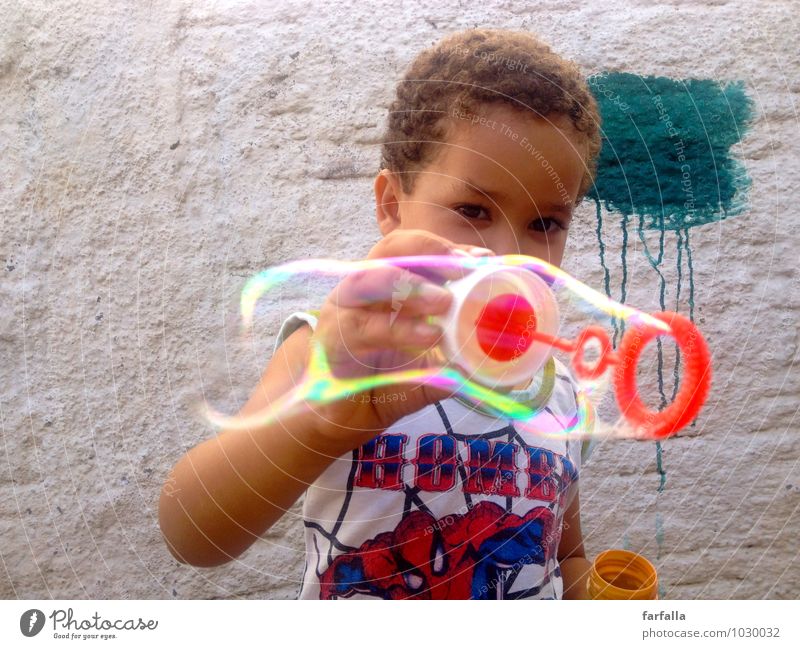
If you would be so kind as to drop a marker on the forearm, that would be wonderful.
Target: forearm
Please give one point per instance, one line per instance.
(575, 572)
(224, 493)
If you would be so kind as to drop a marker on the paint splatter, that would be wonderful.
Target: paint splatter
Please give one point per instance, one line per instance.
(667, 148)
(668, 160)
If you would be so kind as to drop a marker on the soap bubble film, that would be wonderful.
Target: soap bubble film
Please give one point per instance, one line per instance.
(320, 386)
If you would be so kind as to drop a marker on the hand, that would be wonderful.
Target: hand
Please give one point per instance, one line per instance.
(363, 333)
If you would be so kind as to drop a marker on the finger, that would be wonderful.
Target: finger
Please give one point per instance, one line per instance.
(403, 243)
(357, 331)
(435, 388)
(457, 268)
(389, 287)
(412, 296)
(421, 242)
(391, 331)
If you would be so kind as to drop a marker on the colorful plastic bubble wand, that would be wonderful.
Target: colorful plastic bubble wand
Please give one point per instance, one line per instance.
(511, 317)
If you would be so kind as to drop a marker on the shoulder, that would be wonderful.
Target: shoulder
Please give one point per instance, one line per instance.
(565, 390)
(290, 353)
(295, 322)
(570, 403)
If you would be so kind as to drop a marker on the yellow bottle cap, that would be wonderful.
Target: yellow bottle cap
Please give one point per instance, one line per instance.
(621, 574)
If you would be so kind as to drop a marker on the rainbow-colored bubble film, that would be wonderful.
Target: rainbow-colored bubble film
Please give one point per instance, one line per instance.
(594, 379)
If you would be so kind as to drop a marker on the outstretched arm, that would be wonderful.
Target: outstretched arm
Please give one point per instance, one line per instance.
(571, 555)
(225, 492)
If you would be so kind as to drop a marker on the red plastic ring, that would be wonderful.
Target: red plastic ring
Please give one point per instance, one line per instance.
(582, 370)
(695, 383)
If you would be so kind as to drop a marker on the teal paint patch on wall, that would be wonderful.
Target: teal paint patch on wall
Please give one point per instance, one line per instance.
(668, 151)
(667, 163)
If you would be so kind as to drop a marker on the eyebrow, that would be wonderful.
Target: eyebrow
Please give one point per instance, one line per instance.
(498, 196)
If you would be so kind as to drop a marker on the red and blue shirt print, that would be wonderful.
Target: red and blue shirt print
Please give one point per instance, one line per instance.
(448, 503)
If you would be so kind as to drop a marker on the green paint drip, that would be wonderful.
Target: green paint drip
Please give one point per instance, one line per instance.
(662, 298)
(666, 150)
(659, 533)
(680, 269)
(624, 283)
(602, 248)
(666, 157)
(606, 274)
(676, 372)
(691, 284)
(623, 287)
(660, 467)
(655, 262)
(691, 274)
(660, 543)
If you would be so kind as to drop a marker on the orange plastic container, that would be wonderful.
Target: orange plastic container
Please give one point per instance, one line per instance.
(620, 574)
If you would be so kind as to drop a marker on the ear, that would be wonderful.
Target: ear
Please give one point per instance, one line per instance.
(387, 201)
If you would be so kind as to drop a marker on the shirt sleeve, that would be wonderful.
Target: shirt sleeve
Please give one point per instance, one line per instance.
(578, 450)
(294, 322)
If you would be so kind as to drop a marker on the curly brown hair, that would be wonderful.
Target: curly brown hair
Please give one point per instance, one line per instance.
(477, 67)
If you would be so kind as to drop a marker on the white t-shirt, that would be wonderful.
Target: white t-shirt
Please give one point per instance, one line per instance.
(448, 503)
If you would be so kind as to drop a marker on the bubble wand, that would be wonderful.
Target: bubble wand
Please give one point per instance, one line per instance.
(501, 328)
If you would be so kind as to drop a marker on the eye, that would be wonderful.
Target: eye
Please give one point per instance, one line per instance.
(547, 225)
(472, 211)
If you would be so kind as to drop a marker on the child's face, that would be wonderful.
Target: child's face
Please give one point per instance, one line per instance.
(524, 172)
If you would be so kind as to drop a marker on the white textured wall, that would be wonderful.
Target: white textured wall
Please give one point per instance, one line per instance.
(154, 157)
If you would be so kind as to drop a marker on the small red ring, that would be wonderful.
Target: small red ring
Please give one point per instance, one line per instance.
(695, 383)
(588, 372)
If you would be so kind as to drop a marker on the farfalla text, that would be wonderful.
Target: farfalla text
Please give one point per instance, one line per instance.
(663, 615)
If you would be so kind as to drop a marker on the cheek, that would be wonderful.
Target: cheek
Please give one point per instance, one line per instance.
(551, 251)
(427, 216)
(415, 210)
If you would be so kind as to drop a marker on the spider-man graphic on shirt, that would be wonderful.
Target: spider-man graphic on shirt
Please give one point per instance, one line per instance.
(461, 557)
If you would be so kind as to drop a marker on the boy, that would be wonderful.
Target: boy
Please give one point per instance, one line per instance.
(411, 491)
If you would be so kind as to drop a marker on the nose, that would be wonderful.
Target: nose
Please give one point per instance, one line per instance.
(503, 240)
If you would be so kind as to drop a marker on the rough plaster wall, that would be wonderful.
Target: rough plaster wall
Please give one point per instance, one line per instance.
(155, 156)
